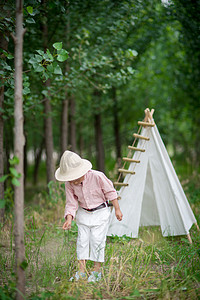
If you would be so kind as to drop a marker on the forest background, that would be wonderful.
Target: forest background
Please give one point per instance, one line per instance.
(90, 68)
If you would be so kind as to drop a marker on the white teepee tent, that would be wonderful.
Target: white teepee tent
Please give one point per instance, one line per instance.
(151, 193)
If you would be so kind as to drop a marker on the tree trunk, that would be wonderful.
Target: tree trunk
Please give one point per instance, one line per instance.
(72, 124)
(38, 155)
(99, 143)
(116, 127)
(4, 46)
(197, 140)
(64, 120)
(48, 132)
(48, 128)
(7, 153)
(25, 158)
(64, 125)
(19, 152)
(65, 105)
(81, 141)
(2, 210)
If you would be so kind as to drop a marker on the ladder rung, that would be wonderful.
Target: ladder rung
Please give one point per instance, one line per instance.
(120, 184)
(131, 160)
(146, 123)
(126, 171)
(136, 149)
(141, 137)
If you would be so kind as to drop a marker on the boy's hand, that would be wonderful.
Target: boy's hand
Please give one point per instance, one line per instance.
(67, 224)
(118, 214)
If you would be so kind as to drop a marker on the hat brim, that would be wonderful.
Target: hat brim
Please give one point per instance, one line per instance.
(75, 173)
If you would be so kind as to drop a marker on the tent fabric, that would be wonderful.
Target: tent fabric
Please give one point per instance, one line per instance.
(154, 195)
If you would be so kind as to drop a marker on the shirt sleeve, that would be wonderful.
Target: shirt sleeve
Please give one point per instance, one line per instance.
(71, 201)
(107, 187)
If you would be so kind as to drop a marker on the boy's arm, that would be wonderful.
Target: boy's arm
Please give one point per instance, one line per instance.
(118, 212)
(71, 206)
(110, 194)
(68, 222)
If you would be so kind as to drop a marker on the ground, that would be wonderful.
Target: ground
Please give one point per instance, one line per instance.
(150, 267)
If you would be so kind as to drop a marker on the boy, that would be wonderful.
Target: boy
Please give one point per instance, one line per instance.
(87, 195)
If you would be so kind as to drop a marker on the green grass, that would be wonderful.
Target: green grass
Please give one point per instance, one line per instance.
(150, 267)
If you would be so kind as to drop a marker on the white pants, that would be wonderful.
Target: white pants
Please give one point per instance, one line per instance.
(92, 230)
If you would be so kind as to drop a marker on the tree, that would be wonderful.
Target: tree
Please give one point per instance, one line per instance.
(19, 153)
(187, 13)
(4, 46)
(48, 130)
(5, 68)
(65, 103)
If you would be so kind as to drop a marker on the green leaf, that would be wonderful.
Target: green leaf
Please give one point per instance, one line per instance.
(62, 52)
(24, 265)
(132, 52)
(38, 58)
(62, 55)
(14, 161)
(62, 58)
(29, 10)
(14, 172)
(40, 52)
(50, 68)
(2, 203)
(3, 178)
(7, 67)
(57, 46)
(10, 56)
(39, 69)
(58, 70)
(45, 76)
(45, 92)
(15, 181)
(30, 21)
(131, 70)
(49, 55)
(32, 60)
(78, 36)
(45, 56)
(26, 91)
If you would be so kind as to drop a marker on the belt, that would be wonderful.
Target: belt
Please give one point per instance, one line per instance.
(105, 204)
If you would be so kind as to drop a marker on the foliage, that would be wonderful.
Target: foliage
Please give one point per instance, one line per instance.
(12, 180)
(187, 14)
(44, 62)
(143, 50)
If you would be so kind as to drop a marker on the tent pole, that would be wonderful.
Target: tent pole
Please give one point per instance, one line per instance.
(189, 238)
(197, 226)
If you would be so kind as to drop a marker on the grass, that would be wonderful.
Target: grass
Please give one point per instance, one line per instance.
(151, 267)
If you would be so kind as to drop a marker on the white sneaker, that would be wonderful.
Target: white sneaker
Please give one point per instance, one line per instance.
(94, 277)
(78, 276)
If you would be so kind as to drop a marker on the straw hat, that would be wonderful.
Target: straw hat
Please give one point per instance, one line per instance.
(72, 167)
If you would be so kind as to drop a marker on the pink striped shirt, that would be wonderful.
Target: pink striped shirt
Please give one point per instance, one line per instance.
(95, 189)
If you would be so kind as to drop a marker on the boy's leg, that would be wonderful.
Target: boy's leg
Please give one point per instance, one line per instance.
(98, 236)
(97, 266)
(82, 246)
(81, 265)
(97, 241)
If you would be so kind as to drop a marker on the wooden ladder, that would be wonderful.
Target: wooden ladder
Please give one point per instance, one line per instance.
(147, 122)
